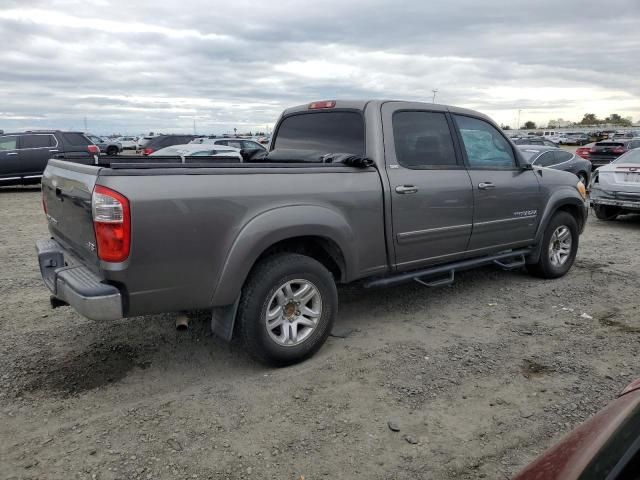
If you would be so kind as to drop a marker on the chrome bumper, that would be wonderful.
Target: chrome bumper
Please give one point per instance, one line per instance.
(76, 285)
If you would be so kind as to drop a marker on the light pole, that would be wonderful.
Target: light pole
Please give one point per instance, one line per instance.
(435, 90)
(519, 119)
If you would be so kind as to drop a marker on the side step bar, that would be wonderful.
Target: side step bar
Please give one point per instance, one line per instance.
(506, 260)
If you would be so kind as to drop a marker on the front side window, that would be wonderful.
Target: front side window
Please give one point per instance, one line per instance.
(7, 143)
(36, 141)
(485, 146)
(423, 140)
(327, 132)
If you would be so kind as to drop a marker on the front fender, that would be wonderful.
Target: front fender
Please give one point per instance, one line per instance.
(273, 226)
(563, 197)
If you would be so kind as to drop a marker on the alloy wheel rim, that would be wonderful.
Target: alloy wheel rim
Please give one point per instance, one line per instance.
(560, 246)
(293, 312)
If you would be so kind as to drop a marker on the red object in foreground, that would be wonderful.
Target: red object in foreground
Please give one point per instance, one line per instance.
(607, 446)
(93, 149)
(112, 224)
(147, 151)
(583, 152)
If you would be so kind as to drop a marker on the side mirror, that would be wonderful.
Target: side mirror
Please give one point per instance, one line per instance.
(526, 166)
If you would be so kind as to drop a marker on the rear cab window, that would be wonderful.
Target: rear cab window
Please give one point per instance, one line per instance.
(328, 132)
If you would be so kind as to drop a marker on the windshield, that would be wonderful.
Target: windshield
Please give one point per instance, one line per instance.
(632, 156)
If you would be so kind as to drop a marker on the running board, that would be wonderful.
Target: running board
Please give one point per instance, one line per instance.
(505, 260)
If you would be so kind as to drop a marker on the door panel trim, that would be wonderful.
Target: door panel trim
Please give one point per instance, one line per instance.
(505, 220)
(431, 233)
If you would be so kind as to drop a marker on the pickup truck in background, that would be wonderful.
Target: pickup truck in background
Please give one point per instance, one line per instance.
(383, 192)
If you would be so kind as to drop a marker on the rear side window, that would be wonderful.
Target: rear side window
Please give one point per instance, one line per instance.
(485, 146)
(76, 139)
(7, 143)
(423, 140)
(546, 159)
(330, 132)
(562, 156)
(37, 141)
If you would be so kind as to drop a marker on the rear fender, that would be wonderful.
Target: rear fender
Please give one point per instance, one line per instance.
(276, 225)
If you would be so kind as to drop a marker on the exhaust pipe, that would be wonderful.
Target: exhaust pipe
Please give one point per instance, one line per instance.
(182, 322)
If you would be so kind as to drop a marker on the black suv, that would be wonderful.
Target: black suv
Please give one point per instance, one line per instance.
(24, 155)
(162, 141)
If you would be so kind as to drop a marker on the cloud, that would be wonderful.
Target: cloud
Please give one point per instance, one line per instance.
(160, 65)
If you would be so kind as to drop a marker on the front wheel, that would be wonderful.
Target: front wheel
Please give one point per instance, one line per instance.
(287, 309)
(559, 247)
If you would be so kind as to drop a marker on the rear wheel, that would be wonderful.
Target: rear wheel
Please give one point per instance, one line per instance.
(559, 247)
(287, 309)
(112, 150)
(606, 212)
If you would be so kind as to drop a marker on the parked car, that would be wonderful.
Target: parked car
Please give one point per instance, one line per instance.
(107, 146)
(376, 191)
(607, 446)
(558, 159)
(198, 150)
(603, 153)
(24, 155)
(128, 143)
(163, 141)
(584, 150)
(615, 189)
(250, 147)
(143, 140)
(534, 141)
(574, 139)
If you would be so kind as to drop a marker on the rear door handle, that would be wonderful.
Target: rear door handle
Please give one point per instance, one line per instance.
(486, 185)
(12, 153)
(53, 151)
(406, 189)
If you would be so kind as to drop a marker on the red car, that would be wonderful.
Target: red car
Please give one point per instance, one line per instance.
(605, 447)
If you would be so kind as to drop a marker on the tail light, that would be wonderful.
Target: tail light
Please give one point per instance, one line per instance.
(583, 152)
(112, 224)
(618, 150)
(147, 151)
(94, 149)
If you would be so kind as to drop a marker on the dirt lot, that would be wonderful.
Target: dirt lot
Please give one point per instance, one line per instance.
(479, 377)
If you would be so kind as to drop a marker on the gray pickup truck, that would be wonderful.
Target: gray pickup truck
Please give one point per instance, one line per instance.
(378, 191)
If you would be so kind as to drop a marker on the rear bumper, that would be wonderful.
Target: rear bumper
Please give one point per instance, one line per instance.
(616, 199)
(76, 285)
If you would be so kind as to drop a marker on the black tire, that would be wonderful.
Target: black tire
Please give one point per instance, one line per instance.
(112, 150)
(265, 280)
(545, 268)
(606, 212)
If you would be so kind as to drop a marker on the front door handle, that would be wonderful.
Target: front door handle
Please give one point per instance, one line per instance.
(406, 189)
(486, 185)
(12, 153)
(53, 151)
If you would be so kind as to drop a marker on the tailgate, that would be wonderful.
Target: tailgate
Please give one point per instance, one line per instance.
(66, 191)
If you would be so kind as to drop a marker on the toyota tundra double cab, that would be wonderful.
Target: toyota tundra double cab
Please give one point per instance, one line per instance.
(382, 192)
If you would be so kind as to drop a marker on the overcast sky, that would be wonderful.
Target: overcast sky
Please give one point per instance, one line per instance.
(135, 66)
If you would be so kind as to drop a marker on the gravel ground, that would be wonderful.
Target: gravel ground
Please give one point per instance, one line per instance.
(478, 377)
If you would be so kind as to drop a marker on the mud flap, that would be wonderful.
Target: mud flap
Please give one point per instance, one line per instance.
(223, 319)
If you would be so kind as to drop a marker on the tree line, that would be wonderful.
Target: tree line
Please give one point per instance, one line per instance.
(589, 119)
